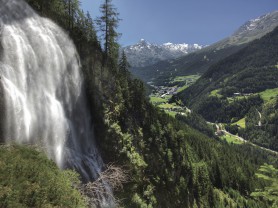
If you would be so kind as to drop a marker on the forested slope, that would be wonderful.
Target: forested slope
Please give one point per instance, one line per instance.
(252, 69)
(170, 164)
(235, 85)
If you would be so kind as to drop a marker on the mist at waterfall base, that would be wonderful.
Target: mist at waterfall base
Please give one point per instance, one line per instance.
(42, 86)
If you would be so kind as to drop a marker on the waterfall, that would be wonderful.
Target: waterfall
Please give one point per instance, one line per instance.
(42, 85)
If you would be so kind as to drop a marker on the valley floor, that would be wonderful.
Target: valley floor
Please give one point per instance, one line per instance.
(162, 94)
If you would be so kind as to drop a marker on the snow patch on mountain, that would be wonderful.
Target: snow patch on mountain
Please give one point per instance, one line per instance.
(144, 53)
(265, 22)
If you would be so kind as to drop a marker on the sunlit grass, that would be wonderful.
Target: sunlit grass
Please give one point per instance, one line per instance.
(231, 139)
(268, 94)
(171, 113)
(215, 93)
(155, 99)
(182, 88)
(241, 123)
(167, 105)
(194, 77)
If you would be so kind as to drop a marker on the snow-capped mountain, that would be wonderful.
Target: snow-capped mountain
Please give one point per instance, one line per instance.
(144, 53)
(206, 57)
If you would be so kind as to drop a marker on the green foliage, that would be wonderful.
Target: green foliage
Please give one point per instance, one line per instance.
(237, 87)
(269, 94)
(170, 163)
(249, 71)
(270, 192)
(29, 179)
(215, 93)
(241, 123)
(262, 130)
(107, 25)
(215, 109)
(157, 100)
(231, 139)
(233, 199)
(198, 122)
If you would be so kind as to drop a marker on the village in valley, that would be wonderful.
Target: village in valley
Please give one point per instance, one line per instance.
(161, 95)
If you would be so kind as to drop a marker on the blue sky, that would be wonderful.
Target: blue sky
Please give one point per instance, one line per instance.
(182, 21)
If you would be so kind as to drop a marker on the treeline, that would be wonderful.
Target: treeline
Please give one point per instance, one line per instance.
(170, 163)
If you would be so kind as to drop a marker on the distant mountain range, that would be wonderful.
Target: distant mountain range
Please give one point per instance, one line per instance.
(144, 53)
(199, 61)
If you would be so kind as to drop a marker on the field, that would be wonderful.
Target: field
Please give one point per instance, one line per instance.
(171, 113)
(167, 105)
(182, 88)
(156, 100)
(241, 123)
(231, 139)
(215, 93)
(193, 77)
(267, 95)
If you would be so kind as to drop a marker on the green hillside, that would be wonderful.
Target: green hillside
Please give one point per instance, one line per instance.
(251, 70)
(238, 83)
(170, 162)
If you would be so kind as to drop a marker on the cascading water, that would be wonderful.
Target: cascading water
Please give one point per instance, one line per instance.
(44, 100)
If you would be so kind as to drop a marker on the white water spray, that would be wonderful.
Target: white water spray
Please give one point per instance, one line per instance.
(44, 100)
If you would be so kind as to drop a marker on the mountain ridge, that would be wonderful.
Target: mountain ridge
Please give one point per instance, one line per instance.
(199, 61)
(241, 86)
(145, 53)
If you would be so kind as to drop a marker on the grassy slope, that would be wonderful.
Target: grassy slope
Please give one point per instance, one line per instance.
(231, 139)
(268, 94)
(156, 99)
(241, 123)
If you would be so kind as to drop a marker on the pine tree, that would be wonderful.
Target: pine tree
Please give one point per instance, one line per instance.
(108, 24)
(269, 174)
(124, 65)
(90, 29)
